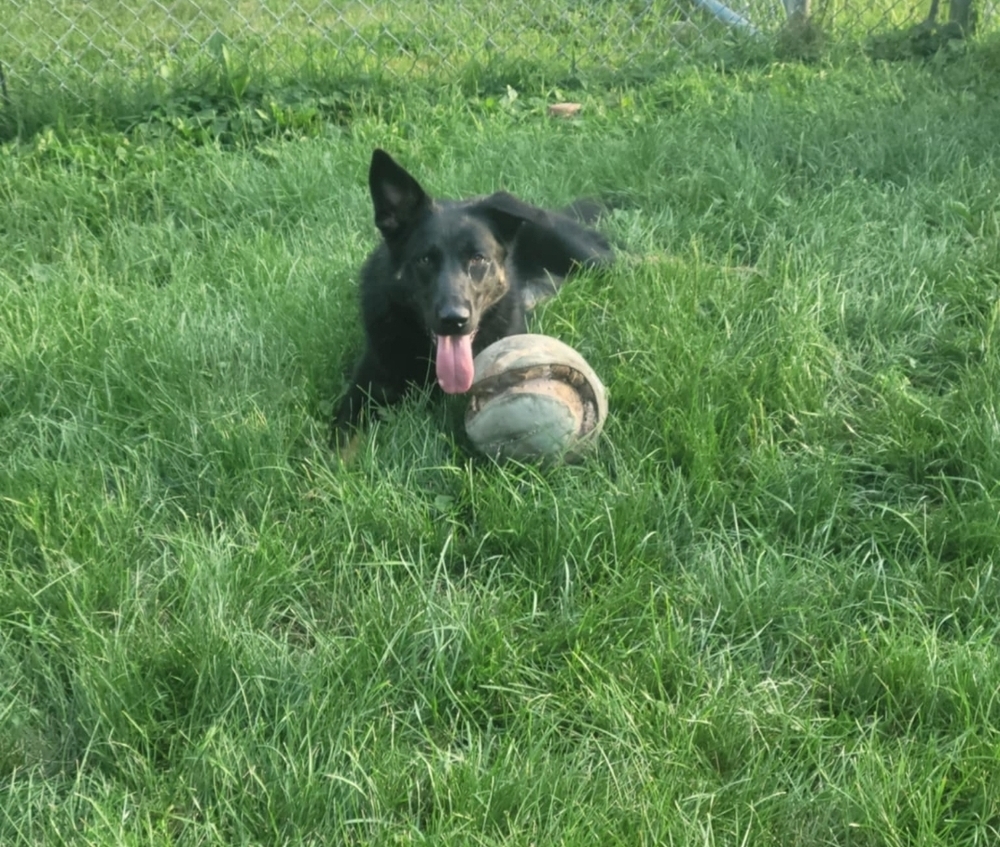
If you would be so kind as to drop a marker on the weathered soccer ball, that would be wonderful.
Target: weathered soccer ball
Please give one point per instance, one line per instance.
(534, 398)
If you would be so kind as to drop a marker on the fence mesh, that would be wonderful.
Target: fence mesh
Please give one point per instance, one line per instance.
(87, 42)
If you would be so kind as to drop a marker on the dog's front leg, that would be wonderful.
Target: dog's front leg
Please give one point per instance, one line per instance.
(369, 387)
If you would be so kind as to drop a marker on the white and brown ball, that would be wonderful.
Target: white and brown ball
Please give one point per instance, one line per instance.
(532, 398)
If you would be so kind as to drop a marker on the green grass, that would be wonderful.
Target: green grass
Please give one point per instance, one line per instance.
(129, 55)
(765, 613)
(103, 43)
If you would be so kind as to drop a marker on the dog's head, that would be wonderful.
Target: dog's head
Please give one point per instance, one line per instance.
(450, 256)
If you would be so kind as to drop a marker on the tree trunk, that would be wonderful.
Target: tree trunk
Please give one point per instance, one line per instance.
(960, 12)
(798, 11)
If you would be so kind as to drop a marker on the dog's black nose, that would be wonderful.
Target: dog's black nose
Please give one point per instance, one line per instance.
(453, 319)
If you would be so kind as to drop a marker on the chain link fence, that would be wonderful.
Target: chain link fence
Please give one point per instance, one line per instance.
(79, 43)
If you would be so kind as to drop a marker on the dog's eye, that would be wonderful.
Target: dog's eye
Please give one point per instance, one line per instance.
(478, 259)
(423, 261)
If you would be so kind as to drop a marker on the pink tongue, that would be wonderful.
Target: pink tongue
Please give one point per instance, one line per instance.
(455, 370)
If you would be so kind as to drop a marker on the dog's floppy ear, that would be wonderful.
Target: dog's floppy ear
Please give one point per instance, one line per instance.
(507, 214)
(544, 242)
(397, 197)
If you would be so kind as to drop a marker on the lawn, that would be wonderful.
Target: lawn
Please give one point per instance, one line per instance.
(764, 613)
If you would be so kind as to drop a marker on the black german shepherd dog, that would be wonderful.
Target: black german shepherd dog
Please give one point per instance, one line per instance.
(450, 278)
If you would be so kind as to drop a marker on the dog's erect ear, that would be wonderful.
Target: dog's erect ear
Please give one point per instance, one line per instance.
(397, 197)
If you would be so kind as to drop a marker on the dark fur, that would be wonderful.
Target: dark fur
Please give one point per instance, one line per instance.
(449, 268)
